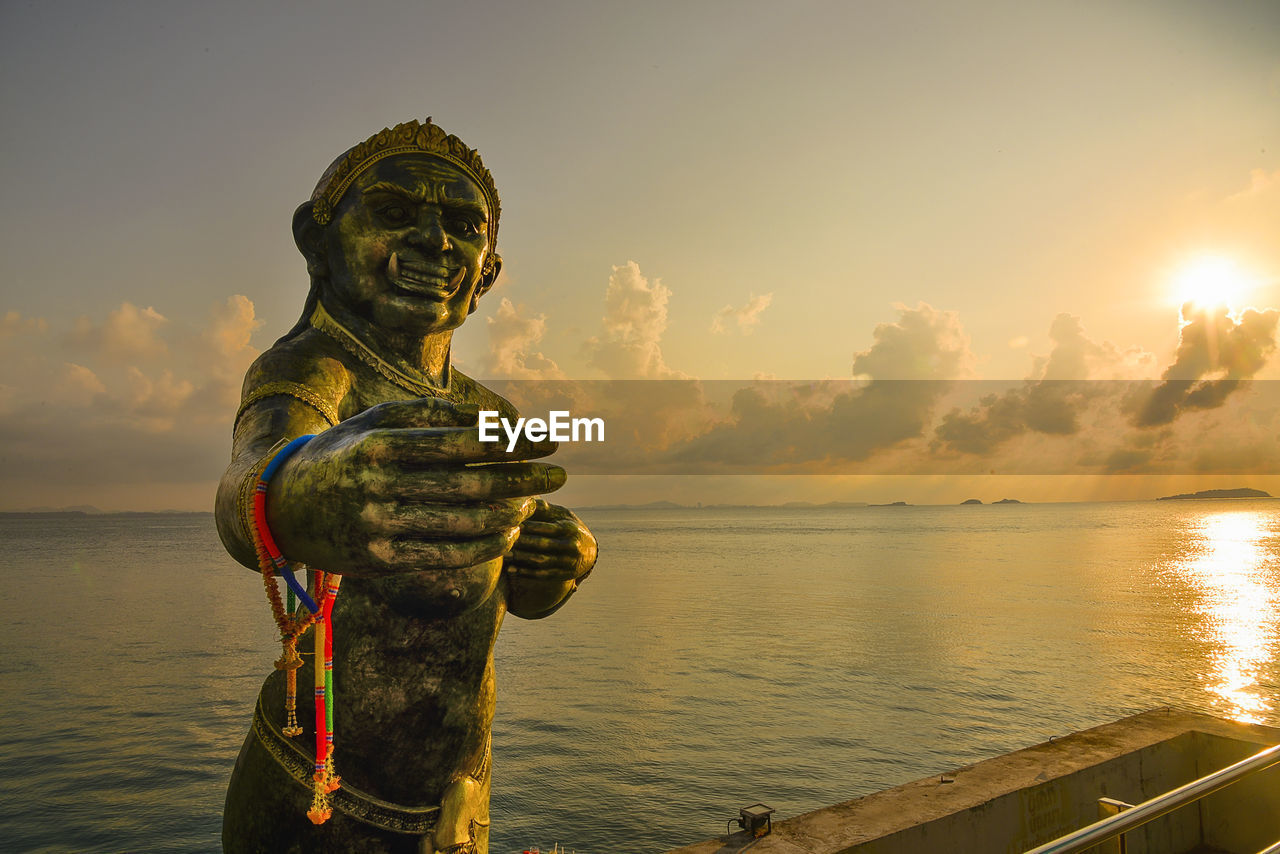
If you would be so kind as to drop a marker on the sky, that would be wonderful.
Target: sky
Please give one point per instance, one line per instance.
(1017, 192)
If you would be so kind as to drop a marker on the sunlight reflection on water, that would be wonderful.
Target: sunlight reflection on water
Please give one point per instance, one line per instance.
(1230, 564)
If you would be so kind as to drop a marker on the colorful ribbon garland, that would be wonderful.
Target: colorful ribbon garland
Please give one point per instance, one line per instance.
(292, 623)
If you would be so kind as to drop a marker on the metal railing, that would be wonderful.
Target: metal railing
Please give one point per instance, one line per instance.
(1110, 828)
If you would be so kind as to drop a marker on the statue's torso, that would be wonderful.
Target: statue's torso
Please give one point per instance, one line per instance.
(413, 653)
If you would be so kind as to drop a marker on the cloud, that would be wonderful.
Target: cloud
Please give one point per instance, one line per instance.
(127, 333)
(898, 382)
(14, 324)
(82, 406)
(635, 318)
(1106, 401)
(80, 384)
(1261, 182)
(230, 327)
(124, 398)
(1050, 401)
(924, 344)
(746, 318)
(1216, 350)
(156, 405)
(927, 347)
(512, 338)
(228, 352)
(1075, 356)
(644, 416)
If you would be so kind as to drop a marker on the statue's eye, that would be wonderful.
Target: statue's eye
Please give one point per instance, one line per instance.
(394, 214)
(463, 225)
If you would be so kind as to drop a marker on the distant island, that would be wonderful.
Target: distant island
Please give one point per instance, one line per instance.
(1243, 492)
(971, 501)
(76, 509)
(652, 505)
(891, 504)
(1007, 501)
(671, 505)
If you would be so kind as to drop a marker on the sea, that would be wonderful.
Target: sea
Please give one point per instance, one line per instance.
(716, 658)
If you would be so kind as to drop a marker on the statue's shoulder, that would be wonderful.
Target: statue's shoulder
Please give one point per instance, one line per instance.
(307, 366)
(467, 390)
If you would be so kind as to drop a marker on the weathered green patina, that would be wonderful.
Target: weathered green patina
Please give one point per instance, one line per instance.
(437, 535)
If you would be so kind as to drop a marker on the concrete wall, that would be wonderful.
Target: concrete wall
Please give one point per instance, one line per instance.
(1244, 818)
(1011, 823)
(1014, 802)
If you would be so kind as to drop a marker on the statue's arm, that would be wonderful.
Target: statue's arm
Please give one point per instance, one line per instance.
(403, 486)
(288, 392)
(262, 429)
(275, 408)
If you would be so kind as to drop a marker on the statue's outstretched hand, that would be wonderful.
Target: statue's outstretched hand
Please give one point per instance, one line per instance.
(405, 486)
(553, 554)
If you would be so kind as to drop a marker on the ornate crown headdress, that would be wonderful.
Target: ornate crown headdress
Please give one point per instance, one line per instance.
(411, 137)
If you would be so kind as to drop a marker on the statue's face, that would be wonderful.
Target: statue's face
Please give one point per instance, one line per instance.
(406, 245)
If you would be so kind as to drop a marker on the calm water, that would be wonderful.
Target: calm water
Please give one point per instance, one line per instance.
(716, 658)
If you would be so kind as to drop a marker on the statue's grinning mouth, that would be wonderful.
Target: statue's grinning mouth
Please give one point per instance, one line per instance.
(423, 279)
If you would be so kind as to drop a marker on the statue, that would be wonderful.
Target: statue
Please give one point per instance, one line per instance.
(435, 536)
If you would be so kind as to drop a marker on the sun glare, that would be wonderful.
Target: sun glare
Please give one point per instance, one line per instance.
(1211, 281)
(1233, 569)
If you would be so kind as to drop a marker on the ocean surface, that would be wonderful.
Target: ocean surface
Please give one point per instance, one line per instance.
(715, 658)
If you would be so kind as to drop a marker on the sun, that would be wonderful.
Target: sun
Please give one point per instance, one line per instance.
(1210, 281)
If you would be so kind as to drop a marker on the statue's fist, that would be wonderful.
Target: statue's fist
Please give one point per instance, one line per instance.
(551, 557)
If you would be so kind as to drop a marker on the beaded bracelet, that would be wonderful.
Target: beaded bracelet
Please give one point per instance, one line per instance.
(292, 623)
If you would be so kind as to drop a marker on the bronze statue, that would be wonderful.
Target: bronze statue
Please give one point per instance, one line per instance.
(436, 535)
